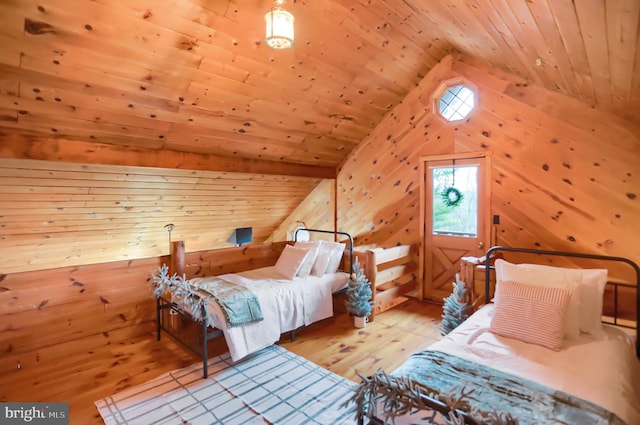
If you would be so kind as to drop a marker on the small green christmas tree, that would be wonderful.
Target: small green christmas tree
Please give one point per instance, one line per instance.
(359, 293)
(456, 308)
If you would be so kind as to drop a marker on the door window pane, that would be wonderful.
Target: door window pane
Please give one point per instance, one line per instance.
(455, 201)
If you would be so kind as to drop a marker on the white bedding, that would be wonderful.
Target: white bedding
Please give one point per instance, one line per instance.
(286, 305)
(604, 371)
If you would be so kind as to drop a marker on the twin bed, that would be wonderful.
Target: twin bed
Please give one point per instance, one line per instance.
(536, 352)
(297, 291)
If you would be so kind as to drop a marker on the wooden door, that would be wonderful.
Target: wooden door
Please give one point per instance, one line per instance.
(455, 218)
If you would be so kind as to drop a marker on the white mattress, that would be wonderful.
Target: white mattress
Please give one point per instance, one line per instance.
(604, 371)
(286, 305)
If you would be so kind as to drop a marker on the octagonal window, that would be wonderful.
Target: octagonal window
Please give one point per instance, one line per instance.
(456, 103)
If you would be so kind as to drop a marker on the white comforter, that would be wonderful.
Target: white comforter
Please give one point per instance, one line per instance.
(286, 305)
(604, 371)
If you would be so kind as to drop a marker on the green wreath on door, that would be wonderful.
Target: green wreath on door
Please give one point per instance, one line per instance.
(451, 197)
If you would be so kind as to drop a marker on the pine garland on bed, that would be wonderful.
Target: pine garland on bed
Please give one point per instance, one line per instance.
(456, 309)
(183, 294)
(387, 397)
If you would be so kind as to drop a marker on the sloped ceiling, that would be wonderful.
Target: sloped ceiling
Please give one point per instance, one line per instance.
(195, 75)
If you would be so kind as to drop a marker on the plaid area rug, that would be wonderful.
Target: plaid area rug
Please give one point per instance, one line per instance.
(272, 386)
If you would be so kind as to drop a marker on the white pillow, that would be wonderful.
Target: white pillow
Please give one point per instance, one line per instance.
(591, 291)
(313, 247)
(290, 261)
(531, 313)
(322, 259)
(585, 307)
(335, 258)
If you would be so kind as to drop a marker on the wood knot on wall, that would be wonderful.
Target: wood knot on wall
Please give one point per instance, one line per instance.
(38, 28)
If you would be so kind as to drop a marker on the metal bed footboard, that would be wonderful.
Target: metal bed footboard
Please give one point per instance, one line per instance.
(207, 332)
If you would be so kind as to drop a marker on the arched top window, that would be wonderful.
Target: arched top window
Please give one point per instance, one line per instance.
(455, 100)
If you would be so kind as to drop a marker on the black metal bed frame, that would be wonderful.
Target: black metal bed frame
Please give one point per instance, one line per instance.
(208, 333)
(441, 407)
(616, 285)
(331, 232)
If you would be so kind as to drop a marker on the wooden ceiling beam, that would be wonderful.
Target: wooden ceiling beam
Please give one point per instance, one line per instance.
(48, 149)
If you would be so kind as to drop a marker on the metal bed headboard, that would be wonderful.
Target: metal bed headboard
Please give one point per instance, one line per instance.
(494, 249)
(330, 232)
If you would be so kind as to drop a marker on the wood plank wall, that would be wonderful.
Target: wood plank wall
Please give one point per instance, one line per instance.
(317, 211)
(564, 176)
(47, 314)
(59, 218)
(57, 214)
(378, 186)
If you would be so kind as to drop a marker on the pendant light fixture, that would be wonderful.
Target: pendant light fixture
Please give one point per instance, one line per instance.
(279, 27)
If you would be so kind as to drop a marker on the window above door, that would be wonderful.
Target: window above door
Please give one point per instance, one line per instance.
(454, 100)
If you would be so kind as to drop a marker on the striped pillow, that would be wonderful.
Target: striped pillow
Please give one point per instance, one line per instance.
(529, 313)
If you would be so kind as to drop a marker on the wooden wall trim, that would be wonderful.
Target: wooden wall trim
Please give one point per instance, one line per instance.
(49, 149)
(456, 156)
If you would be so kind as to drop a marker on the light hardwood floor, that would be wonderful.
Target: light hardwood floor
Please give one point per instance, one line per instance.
(334, 343)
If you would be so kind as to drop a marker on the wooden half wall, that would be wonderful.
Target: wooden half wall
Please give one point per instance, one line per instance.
(45, 315)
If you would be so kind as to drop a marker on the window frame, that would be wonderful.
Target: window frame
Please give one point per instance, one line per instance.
(443, 88)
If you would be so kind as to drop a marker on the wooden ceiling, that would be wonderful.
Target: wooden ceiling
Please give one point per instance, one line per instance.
(195, 75)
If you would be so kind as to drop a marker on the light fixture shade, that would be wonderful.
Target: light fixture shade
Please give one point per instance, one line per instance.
(279, 27)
